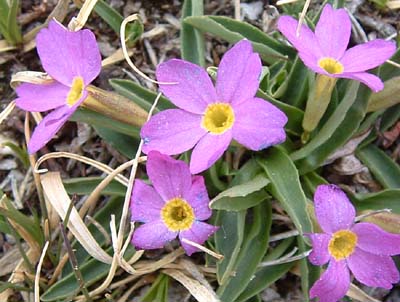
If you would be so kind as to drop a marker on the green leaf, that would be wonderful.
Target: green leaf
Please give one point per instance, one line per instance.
(386, 171)
(233, 31)
(13, 28)
(192, 40)
(243, 196)
(96, 119)
(228, 241)
(121, 142)
(343, 132)
(252, 252)
(386, 199)
(21, 153)
(331, 125)
(133, 31)
(267, 275)
(140, 95)
(158, 291)
(285, 186)
(86, 185)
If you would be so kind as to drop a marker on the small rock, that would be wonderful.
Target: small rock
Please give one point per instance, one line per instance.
(252, 11)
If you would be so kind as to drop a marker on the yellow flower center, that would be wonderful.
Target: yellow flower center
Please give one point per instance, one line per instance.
(177, 215)
(76, 91)
(218, 118)
(330, 65)
(342, 244)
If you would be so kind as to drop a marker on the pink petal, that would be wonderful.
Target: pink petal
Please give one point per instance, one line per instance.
(208, 150)
(152, 235)
(373, 239)
(146, 204)
(373, 270)
(170, 177)
(333, 209)
(38, 98)
(65, 54)
(197, 197)
(199, 233)
(311, 61)
(372, 81)
(319, 254)
(333, 31)
(306, 42)
(258, 124)
(238, 73)
(50, 125)
(333, 284)
(368, 55)
(172, 131)
(194, 89)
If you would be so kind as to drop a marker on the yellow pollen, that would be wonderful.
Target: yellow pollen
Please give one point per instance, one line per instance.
(342, 244)
(76, 91)
(218, 118)
(330, 65)
(177, 215)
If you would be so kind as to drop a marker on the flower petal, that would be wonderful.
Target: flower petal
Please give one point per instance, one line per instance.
(146, 204)
(172, 131)
(373, 239)
(333, 209)
(319, 254)
(65, 54)
(368, 55)
(305, 42)
(50, 125)
(198, 198)
(258, 124)
(372, 81)
(238, 73)
(152, 235)
(333, 284)
(38, 98)
(373, 270)
(199, 233)
(170, 177)
(194, 89)
(208, 150)
(333, 31)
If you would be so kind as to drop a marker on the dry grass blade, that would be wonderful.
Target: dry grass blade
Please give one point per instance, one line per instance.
(38, 269)
(33, 77)
(102, 167)
(395, 4)
(55, 192)
(146, 267)
(116, 57)
(6, 112)
(302, 16)
(357, 294)
(198, 290)
(84, 13)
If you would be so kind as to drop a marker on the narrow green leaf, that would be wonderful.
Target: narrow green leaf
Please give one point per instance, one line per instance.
(386, 199)
(192, 40)
(125, 144)
(253, 250)
(158, 291)
(140, 95)
(343, 132)
(86, 185)
(14, 29)
(20, 153)
(133, 31)
(232, 31)
(390, 117)
(243, 196)
(331, 125)
(285, 186)
(386, 171)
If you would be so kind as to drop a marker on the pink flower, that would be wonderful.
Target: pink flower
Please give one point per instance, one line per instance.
(174, 206)
(363, 248)
(325, 50)
(209, 118)
(73, 60)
